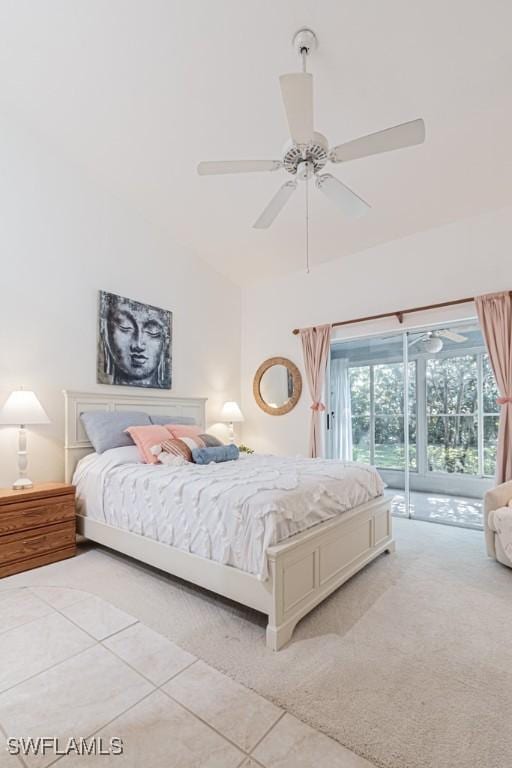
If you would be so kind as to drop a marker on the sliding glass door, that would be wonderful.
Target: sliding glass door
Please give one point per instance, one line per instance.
(421, 407)
(367, 409)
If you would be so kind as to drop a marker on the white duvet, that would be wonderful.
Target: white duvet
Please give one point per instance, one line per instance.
(230, 512)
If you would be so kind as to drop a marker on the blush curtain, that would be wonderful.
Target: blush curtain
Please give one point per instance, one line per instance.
(495, 316)
(315, 346)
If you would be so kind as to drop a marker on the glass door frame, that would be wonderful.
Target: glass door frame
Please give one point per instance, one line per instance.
(442, 482)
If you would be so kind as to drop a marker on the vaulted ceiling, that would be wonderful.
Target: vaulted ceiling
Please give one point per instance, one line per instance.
(138, 91)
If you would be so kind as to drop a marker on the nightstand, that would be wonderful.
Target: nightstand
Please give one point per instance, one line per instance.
(37, 526)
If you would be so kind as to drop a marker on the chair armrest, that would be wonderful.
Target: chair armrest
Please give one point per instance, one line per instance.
(498, 497)
(494, 499)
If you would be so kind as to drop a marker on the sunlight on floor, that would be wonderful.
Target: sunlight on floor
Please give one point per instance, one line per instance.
(439, 508)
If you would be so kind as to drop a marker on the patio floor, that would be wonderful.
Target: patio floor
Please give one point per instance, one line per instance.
(439, 508)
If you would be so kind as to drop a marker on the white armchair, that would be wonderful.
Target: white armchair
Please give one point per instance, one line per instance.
(494, 499)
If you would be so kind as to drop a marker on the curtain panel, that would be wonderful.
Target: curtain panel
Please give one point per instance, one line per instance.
(315, 347)
(495, 316)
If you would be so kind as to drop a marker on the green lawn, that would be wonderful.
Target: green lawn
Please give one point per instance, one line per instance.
(460, 460)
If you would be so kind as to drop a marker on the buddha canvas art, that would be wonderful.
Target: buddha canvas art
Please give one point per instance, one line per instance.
(134, 343)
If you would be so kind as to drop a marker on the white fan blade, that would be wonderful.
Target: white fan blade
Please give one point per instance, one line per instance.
(404, 135)
(342, 196)
(451, 335)
(237, 166)
(416, 341)
(276, 205)
(297, 93)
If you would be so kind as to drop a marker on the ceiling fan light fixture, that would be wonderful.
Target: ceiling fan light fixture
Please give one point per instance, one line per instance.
(433, 344)
(307, 152)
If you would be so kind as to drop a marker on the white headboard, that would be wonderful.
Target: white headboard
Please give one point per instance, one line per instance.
(76, 444)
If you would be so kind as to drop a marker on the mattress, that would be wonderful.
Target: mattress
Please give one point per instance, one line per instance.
(229, 512)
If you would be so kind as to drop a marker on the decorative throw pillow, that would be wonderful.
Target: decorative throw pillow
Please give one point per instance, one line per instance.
(210, 440)
(145, 438)
(223, 453)
(183, 430)
(169, 459)
(163, 419)
(177, 447)
(193, 442)
(106, 429)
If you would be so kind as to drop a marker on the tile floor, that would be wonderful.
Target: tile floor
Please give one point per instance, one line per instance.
(72, 665)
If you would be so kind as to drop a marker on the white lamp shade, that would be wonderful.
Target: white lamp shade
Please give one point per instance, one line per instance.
(231, 412)
(23, 407)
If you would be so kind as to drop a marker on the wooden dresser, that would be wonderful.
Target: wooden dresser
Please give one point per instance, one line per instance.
(37, 526)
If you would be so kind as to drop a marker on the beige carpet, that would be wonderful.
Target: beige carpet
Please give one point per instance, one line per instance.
(409, 664)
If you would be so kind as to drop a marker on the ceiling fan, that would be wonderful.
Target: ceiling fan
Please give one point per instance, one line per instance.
(307, 152)
(432, 341)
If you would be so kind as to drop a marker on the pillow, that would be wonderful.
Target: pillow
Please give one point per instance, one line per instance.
(210, 440)
(193, 442)
(217, 454)
(181, 430)
(177, 448)
(169, 459)
(145, 437)
(164, 419)
(107, 429)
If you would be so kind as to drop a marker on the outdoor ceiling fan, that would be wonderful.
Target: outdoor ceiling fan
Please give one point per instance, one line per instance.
(432, 341)
(307, 152)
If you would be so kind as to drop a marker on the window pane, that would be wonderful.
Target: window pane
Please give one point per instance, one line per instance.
(412, 390)
(413, 466)
(490, 388)
(360, 390)
(452, 385)
(361, 439)
(389, 442)
(452, 444)
(490, 443)
(389, 388)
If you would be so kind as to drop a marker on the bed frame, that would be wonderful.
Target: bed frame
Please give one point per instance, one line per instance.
(304, 569)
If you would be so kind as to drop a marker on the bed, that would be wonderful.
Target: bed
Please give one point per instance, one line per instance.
(277, 534)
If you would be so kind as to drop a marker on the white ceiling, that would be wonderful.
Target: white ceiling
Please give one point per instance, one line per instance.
(138, 91)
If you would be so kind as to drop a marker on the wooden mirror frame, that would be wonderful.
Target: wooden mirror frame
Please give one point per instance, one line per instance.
(296, 380)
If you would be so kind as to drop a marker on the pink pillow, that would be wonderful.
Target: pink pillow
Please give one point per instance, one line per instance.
(145, 437)
(184, 430)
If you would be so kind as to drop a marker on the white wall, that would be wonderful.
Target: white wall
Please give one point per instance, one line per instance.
(61, 239)
(467, 258)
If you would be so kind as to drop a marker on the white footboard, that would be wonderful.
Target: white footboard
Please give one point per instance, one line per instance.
(307, 568)
(304, 569)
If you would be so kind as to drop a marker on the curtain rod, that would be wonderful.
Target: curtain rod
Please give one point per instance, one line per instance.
(400, 314)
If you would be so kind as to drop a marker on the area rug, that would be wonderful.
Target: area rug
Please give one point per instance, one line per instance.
(409, 664)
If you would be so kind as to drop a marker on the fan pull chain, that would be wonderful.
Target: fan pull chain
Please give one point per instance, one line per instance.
(307, 226)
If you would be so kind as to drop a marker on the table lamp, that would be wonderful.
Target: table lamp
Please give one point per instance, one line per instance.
(21, 408)
(231, 413)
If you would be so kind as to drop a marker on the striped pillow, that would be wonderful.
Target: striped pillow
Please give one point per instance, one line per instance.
(177, 447)
(193, 442)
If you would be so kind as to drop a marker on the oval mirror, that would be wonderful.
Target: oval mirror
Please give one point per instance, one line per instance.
(277, 386)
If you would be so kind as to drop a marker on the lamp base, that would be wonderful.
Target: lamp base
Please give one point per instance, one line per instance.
(22, 484)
